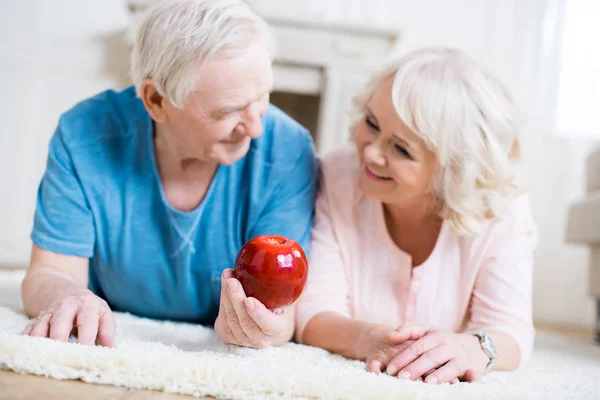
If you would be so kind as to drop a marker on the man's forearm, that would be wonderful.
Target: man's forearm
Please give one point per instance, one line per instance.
(42, 287)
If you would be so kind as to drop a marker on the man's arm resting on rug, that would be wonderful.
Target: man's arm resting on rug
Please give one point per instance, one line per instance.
(55, 291)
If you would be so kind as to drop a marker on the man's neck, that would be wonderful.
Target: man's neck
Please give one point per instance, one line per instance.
(172, 162)
(185, 180)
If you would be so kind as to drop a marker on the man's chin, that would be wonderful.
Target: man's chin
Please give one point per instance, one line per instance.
(229, 156)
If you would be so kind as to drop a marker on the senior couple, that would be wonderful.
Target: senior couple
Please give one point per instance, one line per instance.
(419, 233)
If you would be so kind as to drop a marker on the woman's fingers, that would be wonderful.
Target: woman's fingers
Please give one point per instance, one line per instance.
(375, 367)
(404, 333)
(410, 354)
(432, 359)
(453, 369)
(471, 376)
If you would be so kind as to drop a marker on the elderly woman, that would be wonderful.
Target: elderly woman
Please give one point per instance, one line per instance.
(150, 192)
(422, 246)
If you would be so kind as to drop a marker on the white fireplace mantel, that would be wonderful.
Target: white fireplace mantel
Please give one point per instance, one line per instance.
(332, 61)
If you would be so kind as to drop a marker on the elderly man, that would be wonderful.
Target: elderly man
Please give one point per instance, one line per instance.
(150, 192)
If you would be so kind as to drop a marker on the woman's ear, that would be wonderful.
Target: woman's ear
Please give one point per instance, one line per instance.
(154, 102)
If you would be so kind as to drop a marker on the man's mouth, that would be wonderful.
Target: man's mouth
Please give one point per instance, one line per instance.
(234, 140)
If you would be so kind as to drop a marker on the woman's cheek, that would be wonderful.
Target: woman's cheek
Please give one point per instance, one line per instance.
(360, 137)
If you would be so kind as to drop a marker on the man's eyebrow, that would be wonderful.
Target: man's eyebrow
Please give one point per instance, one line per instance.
(228, 109)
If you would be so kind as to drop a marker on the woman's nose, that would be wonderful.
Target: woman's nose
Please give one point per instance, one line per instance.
(373, 153)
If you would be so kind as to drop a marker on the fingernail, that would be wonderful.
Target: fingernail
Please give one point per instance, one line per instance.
(432, 379)
(232, 283)
(249, 303)
(405, 375)
(391, 369)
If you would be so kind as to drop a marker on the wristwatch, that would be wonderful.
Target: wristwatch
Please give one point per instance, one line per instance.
(488, 347)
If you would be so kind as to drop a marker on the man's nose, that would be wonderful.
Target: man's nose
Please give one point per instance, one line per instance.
(252, 120)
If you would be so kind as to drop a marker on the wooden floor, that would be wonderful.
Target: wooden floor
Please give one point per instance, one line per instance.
(15, 386)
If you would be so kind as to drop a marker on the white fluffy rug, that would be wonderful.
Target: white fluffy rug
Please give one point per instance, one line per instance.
(189, 359)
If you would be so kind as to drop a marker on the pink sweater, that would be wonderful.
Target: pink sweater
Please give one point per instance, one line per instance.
(472, 284)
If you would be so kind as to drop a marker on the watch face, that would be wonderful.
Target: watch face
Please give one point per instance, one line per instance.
(490, 346)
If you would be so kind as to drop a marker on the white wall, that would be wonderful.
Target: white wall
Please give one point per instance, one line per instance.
(57, 52)
(53, 53)
(505, 35)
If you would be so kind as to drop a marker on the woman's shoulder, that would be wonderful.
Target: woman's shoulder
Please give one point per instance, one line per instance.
(340, 166)
(517, 217)
(338, 185)
(514, 228)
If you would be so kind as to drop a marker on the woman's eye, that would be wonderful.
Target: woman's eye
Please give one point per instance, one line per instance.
(401, 150)
(371, 124)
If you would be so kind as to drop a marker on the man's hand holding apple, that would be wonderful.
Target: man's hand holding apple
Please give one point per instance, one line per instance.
(256, 305)
(245, 321)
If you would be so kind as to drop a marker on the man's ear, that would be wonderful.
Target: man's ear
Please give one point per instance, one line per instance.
(154, 102)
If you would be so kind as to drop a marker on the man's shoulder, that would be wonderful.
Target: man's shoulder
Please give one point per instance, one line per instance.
(107, 114)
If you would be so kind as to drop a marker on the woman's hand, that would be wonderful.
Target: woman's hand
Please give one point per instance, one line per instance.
(436, 356)
(85, 311)
(245, 321)
(380, 351)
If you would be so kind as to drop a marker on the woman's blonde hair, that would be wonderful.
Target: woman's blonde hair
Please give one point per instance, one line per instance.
(469, 120)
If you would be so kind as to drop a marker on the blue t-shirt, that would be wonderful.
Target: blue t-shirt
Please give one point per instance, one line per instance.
(101, 198)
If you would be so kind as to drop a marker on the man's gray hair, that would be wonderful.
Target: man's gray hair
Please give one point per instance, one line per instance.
(177, 37)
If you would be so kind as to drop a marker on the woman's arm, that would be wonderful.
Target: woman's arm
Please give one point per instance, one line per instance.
(327, 289)
(342, 335)
(501, 302)
(506, 346)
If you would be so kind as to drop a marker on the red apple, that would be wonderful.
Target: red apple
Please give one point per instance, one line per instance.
(273, 269)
